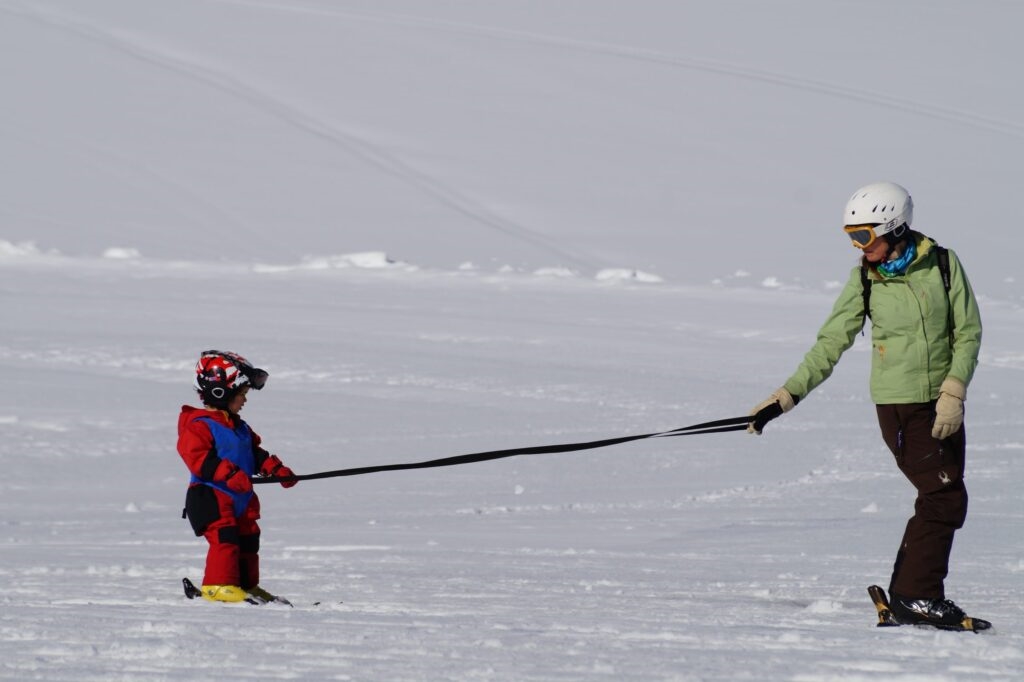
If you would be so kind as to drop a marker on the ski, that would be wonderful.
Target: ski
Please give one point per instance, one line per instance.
(886, 619)
(191, 592)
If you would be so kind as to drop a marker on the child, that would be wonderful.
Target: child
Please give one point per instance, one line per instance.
(222, 453)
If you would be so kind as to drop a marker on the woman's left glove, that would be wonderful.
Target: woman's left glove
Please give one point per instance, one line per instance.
(949, 408)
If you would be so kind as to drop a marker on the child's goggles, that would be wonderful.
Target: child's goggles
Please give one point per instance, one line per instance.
(257, 377)
(862, 236)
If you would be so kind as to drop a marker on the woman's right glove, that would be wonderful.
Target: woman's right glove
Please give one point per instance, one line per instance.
(778, 403)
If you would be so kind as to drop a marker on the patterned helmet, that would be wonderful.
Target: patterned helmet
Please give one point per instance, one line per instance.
(220, 375)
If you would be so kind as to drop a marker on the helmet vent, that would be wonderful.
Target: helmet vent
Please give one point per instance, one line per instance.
(880, 202)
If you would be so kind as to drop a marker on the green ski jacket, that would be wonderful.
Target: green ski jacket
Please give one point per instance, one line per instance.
(911, 344)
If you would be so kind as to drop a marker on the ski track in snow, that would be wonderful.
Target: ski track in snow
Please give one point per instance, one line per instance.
(138, 175)
(817, 87)
(307, 122)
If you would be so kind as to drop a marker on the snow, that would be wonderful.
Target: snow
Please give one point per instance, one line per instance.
(455, 227)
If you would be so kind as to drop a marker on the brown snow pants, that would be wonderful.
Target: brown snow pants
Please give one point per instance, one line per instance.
(936, 470)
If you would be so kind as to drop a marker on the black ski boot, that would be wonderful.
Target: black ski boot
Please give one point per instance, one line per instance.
(939, 613)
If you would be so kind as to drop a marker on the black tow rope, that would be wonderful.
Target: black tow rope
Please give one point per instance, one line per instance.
(719, 426)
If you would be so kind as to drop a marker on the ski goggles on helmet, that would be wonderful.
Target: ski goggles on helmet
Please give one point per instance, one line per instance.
(257, 377)
(865, 235)
(228, 371)
(252, 376)
(862, 236)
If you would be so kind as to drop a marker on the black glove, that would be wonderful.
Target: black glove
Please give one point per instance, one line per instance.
(776, 405)
(765, 415)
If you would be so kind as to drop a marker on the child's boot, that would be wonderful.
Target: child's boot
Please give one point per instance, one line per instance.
(226, 593)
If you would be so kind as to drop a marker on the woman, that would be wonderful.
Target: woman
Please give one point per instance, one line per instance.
(925, 335)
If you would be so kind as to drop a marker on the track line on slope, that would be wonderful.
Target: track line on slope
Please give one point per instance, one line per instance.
(128, 172)
(309, 124)
(814, 86)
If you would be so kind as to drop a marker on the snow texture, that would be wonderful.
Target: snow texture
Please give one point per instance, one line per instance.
(451, 227)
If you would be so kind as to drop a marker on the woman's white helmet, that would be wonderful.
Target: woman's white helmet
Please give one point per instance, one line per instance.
(885, 205)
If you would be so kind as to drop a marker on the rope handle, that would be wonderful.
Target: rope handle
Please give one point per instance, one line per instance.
(717, 426)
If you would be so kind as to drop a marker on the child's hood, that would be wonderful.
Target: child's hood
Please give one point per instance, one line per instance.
(189, 414)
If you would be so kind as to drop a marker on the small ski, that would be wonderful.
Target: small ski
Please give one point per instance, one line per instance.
(886, 619)
(191, 592)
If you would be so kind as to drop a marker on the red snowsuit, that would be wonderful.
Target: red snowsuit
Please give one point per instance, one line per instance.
(214, 445)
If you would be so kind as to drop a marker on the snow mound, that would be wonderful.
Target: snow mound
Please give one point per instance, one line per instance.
(121, 253)
(365, 260)
(12, 249)
(824, 606)
(626, 274)
(555, 272)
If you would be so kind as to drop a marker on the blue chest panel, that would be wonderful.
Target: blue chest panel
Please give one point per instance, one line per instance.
(234, 445)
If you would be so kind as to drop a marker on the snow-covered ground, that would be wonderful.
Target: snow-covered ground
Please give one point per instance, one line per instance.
(451, 227)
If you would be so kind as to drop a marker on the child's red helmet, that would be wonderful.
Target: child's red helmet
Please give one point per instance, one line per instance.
(219, 375)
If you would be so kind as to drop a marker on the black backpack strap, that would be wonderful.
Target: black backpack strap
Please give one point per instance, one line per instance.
(943, 255)
(867, 293)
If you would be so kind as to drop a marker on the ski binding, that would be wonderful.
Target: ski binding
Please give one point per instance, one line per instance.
(886, 619)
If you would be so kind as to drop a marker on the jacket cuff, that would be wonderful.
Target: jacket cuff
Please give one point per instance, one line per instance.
(787, 401)
(954, 387)
(271, 465)
(223, 471)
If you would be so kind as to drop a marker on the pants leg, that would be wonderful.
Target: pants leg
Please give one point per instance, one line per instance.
(249, 545)
(222, 558)
(935, 469)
